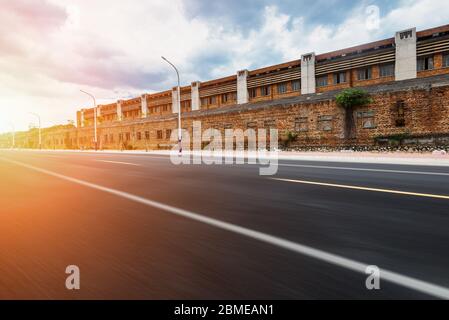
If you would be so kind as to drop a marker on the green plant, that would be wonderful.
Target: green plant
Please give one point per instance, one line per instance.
(350, 99)
(288, 137)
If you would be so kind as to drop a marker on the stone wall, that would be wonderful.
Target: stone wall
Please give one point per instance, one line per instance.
(411, 108)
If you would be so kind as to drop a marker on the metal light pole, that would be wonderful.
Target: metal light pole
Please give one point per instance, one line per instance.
(95, 118)
(13, 135)
(179, 106)
(40, 135)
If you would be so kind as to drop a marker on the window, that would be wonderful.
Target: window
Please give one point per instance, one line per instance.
(364, 74)
(400, 114)
(365, 119)
(325, 123)
(139, 136)
(253, 93)
(147, 135)
(120, 137)
(128, 136)
(446, 60)
(425, 63)
(159, 134)
(386, 70)
(213, 100)
(321, 81)
(269, 124)
(296, 85)
(168, 134)
(339, 77)
(165, 108)
(204, 101)
(301, 124)
(225, 97)
(282, 88)
(265, 91)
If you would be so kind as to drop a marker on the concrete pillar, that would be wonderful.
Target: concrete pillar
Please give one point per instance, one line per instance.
(242, 87)
(406, 61)
(119, 110)
(144, 106)
(195, 93)
(82, 118)
(174, 100)
(308, 82)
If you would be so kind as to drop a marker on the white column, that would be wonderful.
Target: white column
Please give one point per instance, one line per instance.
(174, 100)
(308, 82)
(82, 118)
(144, 106)
(406, 60)
(195, 94)
(242, 87)
(119, 110)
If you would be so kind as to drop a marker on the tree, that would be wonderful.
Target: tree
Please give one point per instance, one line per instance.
(350, 99)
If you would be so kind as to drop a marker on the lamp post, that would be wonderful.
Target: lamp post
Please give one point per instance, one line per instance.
(179, 105)
(40, 135)
(95, 118)
(13, 135)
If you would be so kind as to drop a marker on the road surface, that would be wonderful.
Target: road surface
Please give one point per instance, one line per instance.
(139, 227)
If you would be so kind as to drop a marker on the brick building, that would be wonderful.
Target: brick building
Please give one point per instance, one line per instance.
(407, 76)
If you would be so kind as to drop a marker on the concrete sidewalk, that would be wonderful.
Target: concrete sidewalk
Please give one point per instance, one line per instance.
(401, 158)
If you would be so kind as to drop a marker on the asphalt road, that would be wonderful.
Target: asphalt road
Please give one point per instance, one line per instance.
(139, 227)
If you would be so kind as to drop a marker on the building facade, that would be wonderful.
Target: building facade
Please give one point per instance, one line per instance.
(407, 75)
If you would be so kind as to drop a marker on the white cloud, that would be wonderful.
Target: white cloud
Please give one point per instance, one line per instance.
(113, 48)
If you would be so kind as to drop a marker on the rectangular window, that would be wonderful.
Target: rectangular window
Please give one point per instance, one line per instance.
(165, 108)
(386, 70)
(296, 85)
(159, 134)
(168, 134)
(446, 60)
(139, 136)
(265, 91)
(213, 100)
(325, 123)
(339, 77)
(204, 101)
(120, 137)
(128, 136)
(147, 135)
(321, 81)
(252, 93)
(365, 119)
(301, 124)
(364, 74)
(282, 88)
(269, 124)
(425, 63)
(400, 114)
(225, 97)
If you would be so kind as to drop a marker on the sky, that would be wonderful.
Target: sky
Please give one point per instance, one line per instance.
(50, 49)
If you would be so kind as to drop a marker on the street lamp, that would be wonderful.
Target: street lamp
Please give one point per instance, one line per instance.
(40, 136)
(13, 135)
(179, 106)
(95, 118)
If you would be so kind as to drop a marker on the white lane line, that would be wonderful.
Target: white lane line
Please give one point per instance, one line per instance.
(366, 169)
(405, 281)
(119, 162)
(342, 186)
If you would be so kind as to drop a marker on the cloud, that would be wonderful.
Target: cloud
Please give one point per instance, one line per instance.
(113, 48)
